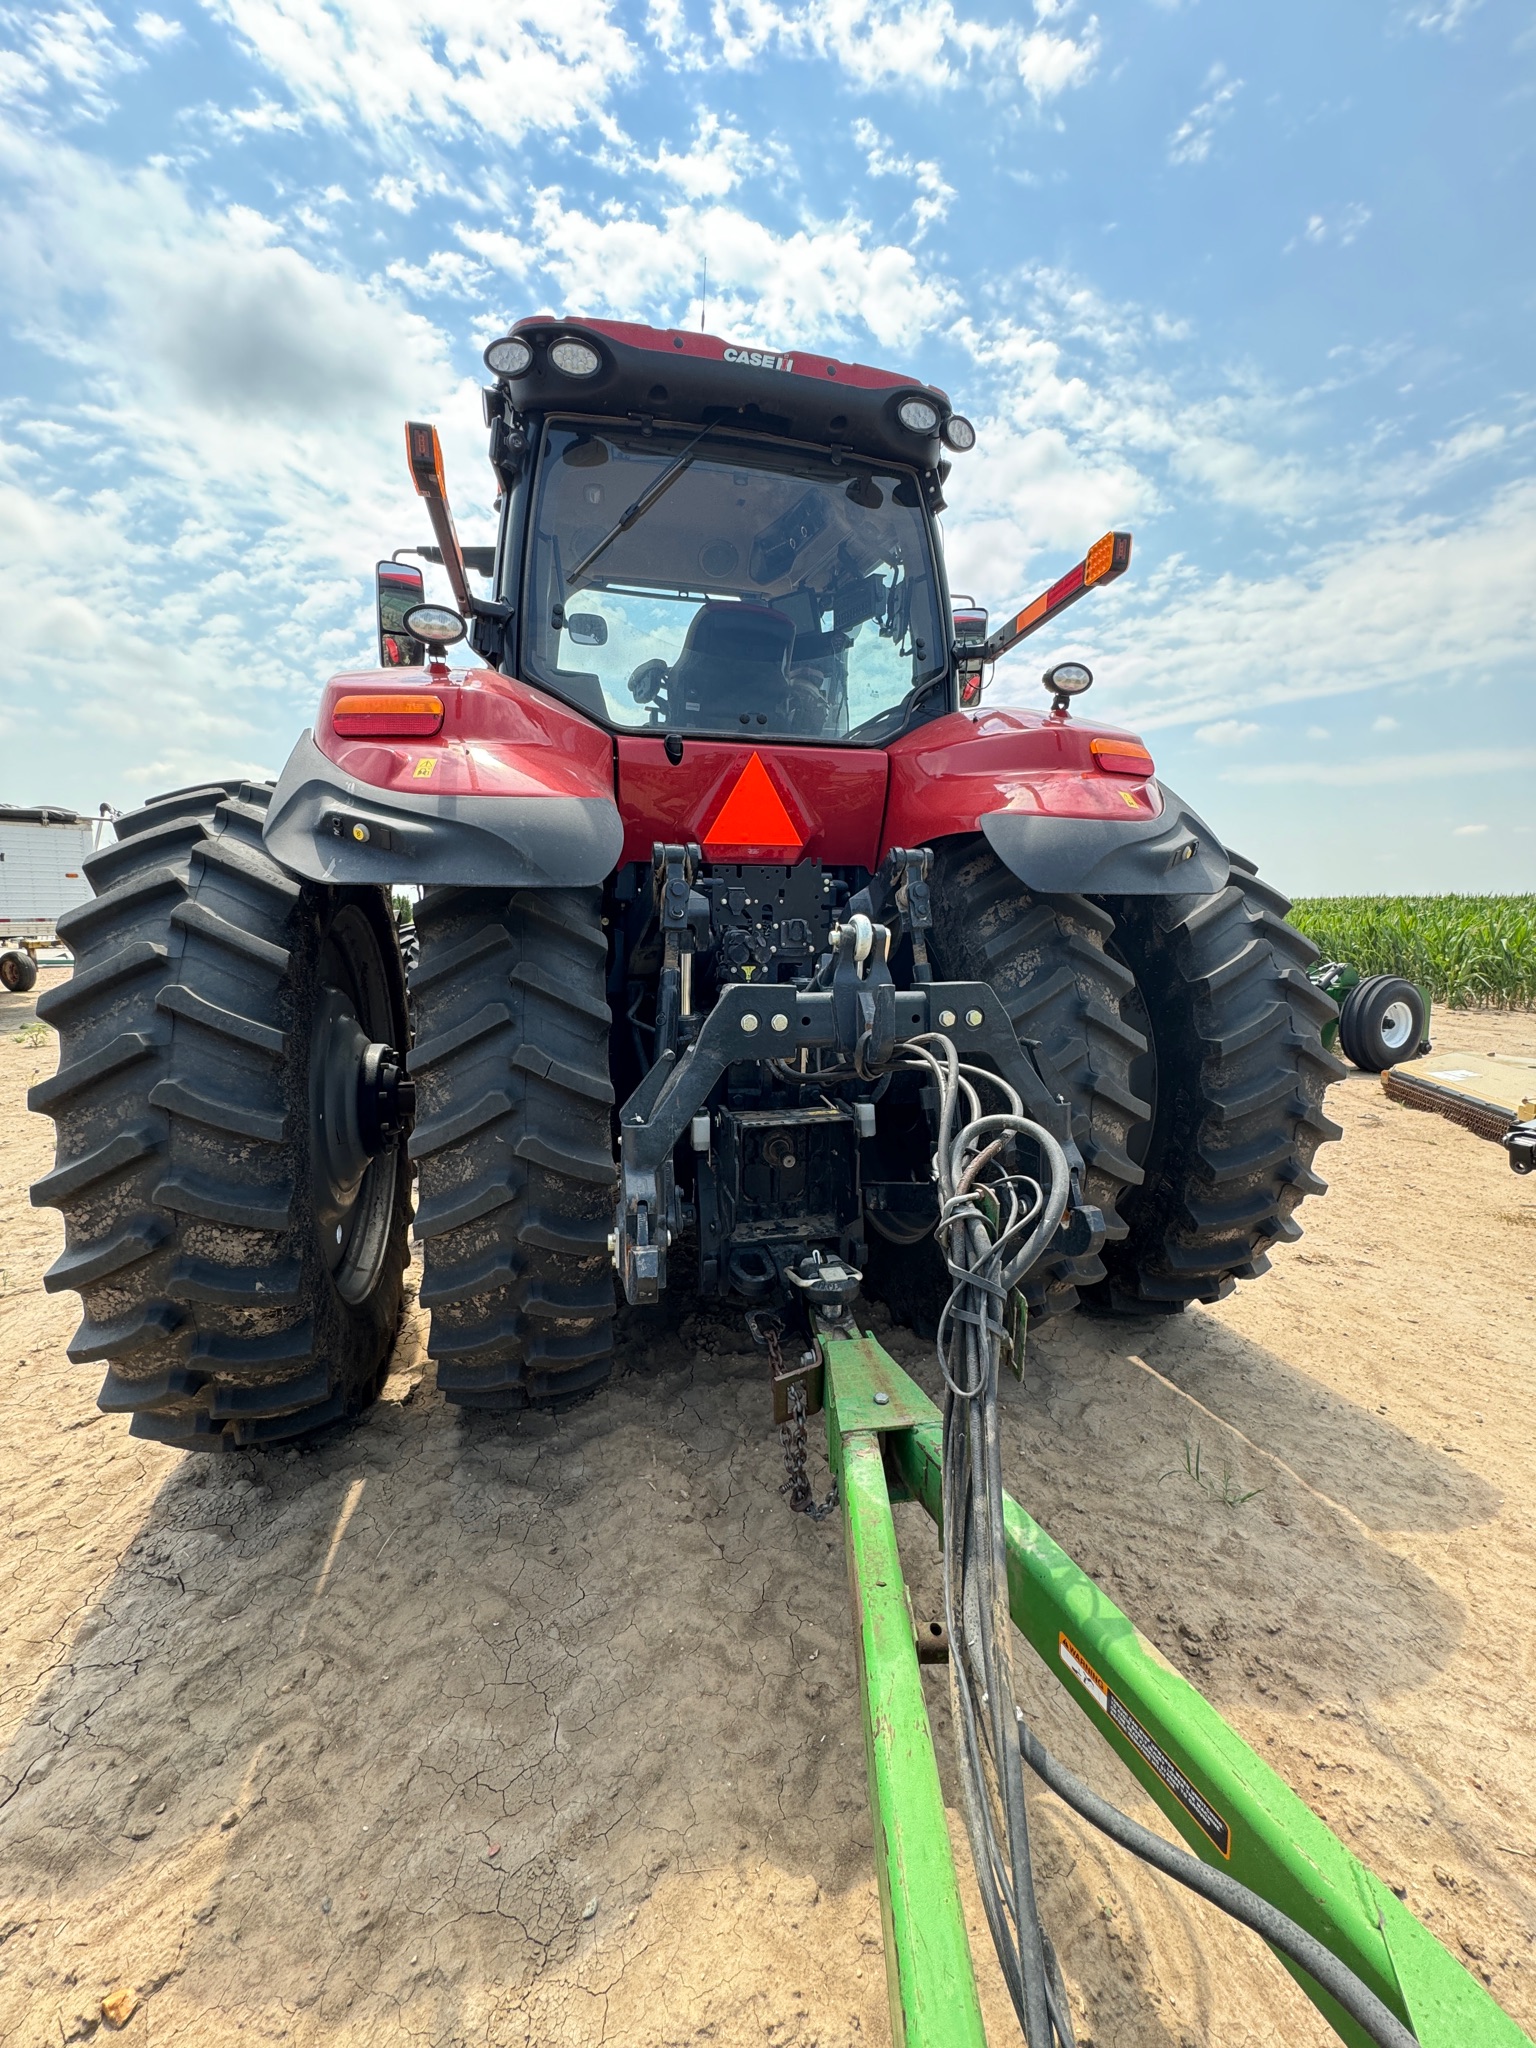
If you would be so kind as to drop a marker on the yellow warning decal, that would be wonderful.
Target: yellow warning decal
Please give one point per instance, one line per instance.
(425, 766)
(1156, 1758)
(1128, 796)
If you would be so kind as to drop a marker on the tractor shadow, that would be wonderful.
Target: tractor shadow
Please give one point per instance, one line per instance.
(394, 1732)
(385, 1733)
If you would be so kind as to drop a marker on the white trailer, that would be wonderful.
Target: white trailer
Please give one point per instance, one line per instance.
(42, 874)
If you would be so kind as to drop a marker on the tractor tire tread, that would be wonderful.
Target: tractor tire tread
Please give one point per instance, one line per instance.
(514, 1144)
(1242, 1076)
(187, 1231)
(1046, 959)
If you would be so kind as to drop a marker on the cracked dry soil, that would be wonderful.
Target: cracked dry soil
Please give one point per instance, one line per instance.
(536, 1731)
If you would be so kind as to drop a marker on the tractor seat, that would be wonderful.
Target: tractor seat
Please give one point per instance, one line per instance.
(735, 661)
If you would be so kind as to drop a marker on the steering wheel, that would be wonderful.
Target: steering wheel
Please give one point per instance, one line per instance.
(648, 680)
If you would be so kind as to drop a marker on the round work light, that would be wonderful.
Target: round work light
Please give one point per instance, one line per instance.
(509, 357)
(918, 415)
(575, 358)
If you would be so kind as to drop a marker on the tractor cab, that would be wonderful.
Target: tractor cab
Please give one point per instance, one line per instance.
(710, 583)
(708, 539)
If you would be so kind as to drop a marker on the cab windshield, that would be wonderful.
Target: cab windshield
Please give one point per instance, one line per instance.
(695, 583)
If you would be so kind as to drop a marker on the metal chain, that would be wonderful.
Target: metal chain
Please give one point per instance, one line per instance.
(792, 1437)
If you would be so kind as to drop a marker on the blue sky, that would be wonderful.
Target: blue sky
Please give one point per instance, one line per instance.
(1255, 282)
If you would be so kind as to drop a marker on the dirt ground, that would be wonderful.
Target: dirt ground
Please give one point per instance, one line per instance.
(543, 1731)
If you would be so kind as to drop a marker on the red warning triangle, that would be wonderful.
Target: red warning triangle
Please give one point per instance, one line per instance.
(753, 817)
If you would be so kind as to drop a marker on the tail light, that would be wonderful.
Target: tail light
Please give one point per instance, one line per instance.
(387, 715)
(1122, 757)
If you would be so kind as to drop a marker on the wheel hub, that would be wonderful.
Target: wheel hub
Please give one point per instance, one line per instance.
(360, 1103)
(1397, 1026)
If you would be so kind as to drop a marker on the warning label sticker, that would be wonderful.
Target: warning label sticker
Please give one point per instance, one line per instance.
(1199, 1808)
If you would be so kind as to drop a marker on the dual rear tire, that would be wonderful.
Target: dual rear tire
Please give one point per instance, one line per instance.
(238, 1239)
(1187, 1038)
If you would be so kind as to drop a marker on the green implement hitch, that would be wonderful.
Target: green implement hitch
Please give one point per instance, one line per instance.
(884, 1440)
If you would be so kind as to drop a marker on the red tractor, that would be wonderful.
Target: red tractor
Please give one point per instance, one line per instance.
(716, 827)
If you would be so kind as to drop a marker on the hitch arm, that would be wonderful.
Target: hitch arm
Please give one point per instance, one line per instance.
(885, 1442)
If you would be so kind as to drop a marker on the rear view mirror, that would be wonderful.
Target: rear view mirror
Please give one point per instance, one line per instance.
(400, 587)
(587, 629)
(970, 623)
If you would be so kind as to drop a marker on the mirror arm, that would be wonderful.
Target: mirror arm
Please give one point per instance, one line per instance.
(1104, 561)
(425, 454)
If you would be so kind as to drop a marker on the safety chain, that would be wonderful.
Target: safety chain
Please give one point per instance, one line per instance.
(792, 1435)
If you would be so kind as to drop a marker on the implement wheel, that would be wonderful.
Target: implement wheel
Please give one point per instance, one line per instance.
(231, 1161)
(18, 970)
(1046, 958)
(1382, 1022)
(514, 1144)
(1236, 1073)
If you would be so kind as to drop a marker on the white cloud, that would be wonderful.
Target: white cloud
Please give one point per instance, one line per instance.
(1468, 831)
(1416, 600)
(1444, 20)
(818, 285)
(243, 409)
(1050, 65)
(924, 44)
(262, 117)
(156, 29)
(447, 273)
(1078, 430)
(716, 161)
(1227, 732)
(1190, 142)
(934, 196)
(64, 64)
(1318, 732)
(1342, 226)
(452, 67)
(1386, 723)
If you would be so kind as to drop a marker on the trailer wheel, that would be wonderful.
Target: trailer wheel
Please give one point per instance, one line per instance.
(1236, 1073)
(514, 1144)
(18, 970)
(235, 1207)
(1046, 958)
(1382, 1022)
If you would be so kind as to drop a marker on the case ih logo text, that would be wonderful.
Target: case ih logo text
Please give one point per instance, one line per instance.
(758, 359)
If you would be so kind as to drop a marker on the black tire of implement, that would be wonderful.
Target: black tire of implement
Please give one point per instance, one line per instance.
(1045, 957)
(18, 971)
(514, 1144)
(181, 1104)
(1360, 1022)
(1238, 1073)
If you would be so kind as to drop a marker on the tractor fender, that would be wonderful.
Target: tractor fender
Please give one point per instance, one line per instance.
(515, 791)
(1174, 854)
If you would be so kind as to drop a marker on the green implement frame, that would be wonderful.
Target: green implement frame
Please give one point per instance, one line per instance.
(884, 1439)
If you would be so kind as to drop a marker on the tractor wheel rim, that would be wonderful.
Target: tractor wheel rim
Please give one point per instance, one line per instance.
(352, 1188)
(1397, 1025)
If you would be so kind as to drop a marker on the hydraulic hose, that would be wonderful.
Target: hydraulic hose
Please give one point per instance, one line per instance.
(994, 1223)
(1278, 1929)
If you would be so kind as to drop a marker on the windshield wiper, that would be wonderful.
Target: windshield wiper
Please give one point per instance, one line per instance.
(641, 506)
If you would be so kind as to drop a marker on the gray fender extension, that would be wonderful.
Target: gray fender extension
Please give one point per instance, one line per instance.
(328, 827)
(1173, 854)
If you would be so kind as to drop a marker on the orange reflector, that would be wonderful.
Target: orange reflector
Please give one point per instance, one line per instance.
(753, 817)
(388, 712)
(1101, 557)
(1121, 757)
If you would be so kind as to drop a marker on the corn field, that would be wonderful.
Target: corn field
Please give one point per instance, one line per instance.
(1466, 950)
